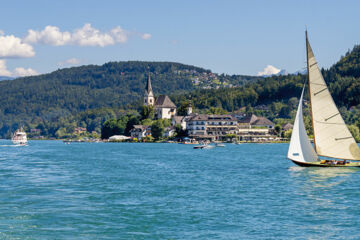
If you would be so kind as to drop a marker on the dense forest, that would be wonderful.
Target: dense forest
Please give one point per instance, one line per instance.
(87, 96)
(51, 99)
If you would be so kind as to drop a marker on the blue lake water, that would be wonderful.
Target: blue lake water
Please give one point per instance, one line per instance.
(50, 190)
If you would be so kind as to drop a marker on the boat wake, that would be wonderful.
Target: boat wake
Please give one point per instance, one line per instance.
(14, 145)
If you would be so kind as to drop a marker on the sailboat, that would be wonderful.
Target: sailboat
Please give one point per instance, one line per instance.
(334, 146)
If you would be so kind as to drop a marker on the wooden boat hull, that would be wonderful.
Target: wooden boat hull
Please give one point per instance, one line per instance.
(319, 164)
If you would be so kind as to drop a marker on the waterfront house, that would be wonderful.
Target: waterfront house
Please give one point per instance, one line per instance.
(181, 120)
(253, 121)
(256, 129)
(262, 122)
(169, 131)
(140, 131)
(212, 127)
(79, 130)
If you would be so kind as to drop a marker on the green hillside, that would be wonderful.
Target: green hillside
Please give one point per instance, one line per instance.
(87, 96)
(68, 92)
(276, 97)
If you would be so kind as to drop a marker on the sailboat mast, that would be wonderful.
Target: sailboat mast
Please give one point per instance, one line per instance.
(308, 76)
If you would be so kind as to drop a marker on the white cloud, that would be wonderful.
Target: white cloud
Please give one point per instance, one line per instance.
(18, 72)
(51, 35)
(13, 47)
(1, 32)
(269, 70)
(23, 72)
(85, 36)
(146, 36)
(119, 34)
(89, 36)
(71, 61)
(3, 69)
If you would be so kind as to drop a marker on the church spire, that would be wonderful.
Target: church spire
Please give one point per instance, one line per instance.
(148, 85)
(149, 99)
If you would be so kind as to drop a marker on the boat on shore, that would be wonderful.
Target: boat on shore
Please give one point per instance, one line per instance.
(19, 137)
(334, 145)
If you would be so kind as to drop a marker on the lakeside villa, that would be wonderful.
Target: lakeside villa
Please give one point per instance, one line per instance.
(206, 126)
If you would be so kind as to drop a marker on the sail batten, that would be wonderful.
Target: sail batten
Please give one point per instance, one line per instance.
(332, 138)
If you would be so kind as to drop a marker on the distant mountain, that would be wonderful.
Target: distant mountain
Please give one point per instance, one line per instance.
(282, 72)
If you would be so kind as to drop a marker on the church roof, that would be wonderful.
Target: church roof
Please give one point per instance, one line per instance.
(163, 101)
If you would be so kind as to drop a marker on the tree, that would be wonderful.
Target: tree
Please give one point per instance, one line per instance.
(108, 128)
(133, 120)
(157, 129)
(179, 131)
(278, 129)
(114, 127)
(147, 112)
(249, 110)
(355, 132)
(216, 110)
(287, 134)
(182, 110)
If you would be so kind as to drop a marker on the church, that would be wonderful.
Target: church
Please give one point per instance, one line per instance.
(163, 106)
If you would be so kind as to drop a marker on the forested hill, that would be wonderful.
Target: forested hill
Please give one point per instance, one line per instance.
(86, 96)
(70, 91)
(274, 93)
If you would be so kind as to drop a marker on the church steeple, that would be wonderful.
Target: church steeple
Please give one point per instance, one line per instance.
(148, 85)
(149, 95)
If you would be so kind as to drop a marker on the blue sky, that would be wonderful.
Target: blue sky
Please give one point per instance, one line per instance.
(232, 37)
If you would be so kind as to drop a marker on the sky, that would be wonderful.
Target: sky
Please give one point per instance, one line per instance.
(232, 37)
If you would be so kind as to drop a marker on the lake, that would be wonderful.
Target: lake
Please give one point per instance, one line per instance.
(50, 190)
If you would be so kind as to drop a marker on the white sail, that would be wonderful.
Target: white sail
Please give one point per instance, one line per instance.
(300, 148)
(332, 138)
